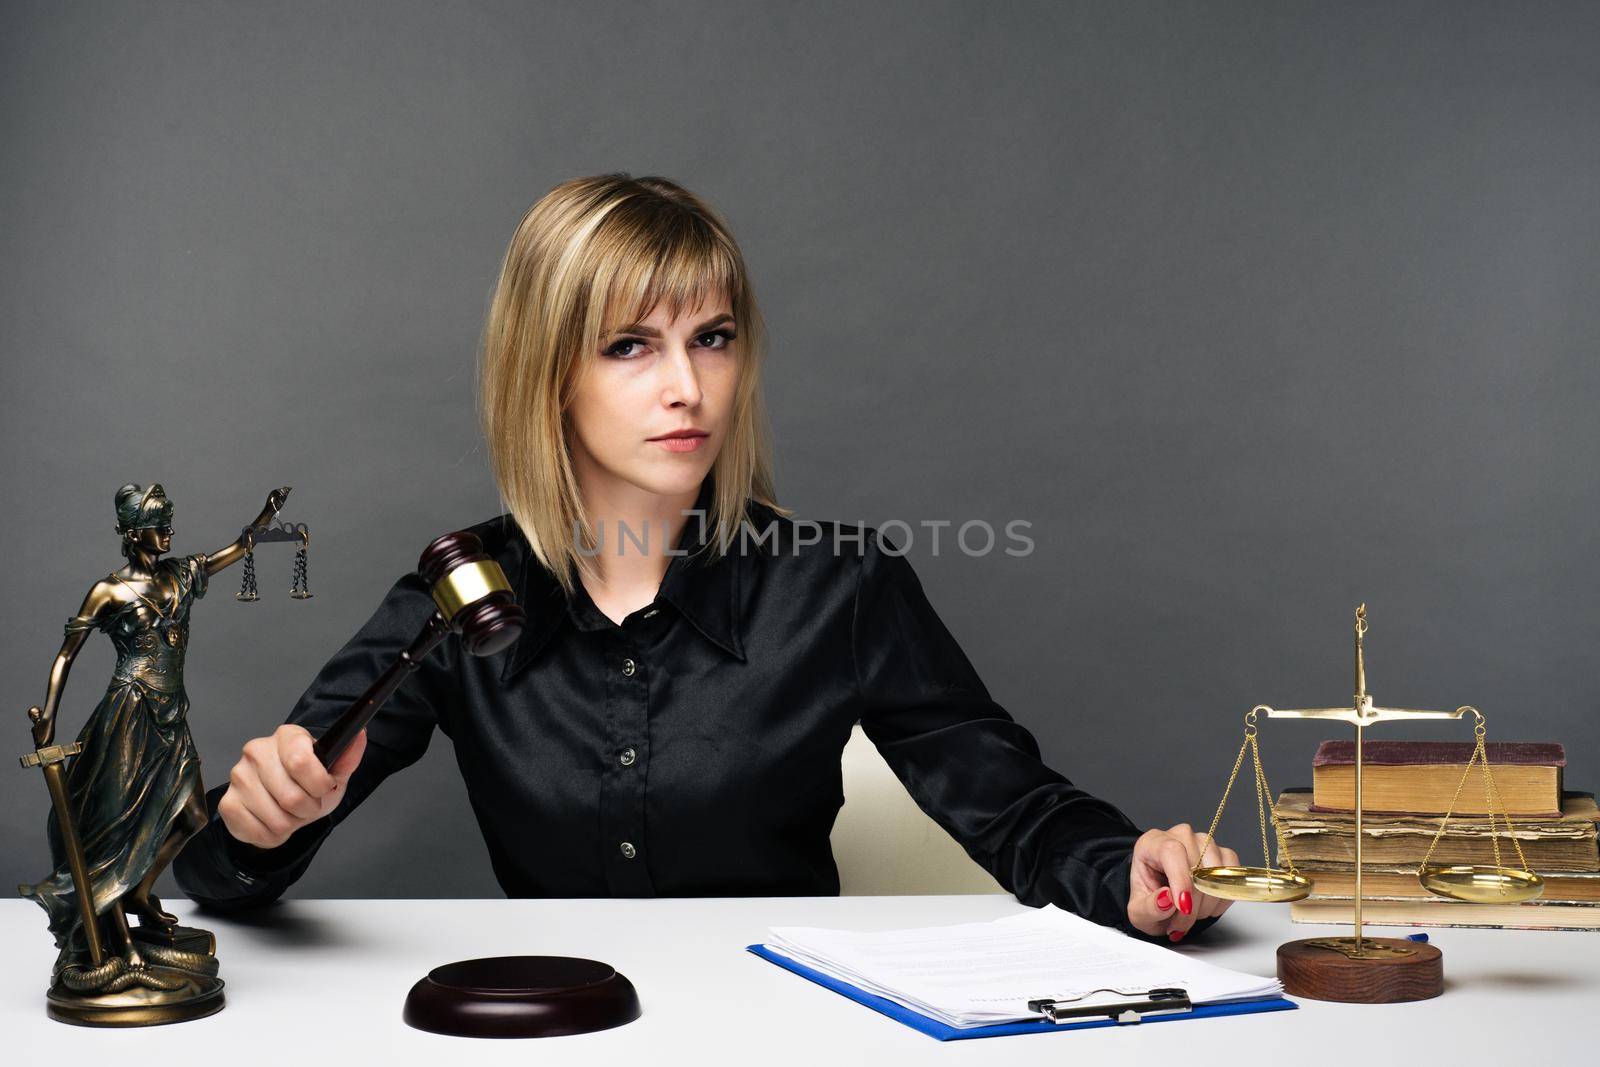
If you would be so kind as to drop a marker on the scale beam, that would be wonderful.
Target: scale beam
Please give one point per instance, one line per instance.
(1360, 716)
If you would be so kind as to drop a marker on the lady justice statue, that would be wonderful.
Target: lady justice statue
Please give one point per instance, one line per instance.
(127, 793)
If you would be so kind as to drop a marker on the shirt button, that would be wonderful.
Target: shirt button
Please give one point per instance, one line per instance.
(651, 613)
(628, 667)
(627, 757)
(628, 851)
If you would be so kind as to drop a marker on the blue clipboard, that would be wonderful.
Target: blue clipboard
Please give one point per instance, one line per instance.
(936, 1029)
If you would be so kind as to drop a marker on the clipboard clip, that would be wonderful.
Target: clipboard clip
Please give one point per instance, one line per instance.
(1166, 1000)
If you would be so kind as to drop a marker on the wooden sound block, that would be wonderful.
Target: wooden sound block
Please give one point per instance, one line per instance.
(521, 996)
(1401, 970)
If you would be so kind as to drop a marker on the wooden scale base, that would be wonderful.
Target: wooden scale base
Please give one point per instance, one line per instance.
(1389, 970)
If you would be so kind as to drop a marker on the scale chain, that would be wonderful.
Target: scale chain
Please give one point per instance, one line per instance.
(1491, 794)
(1262, 799)
(1217, 818)
(1505, 815)
(1264, 802)
(1488, 802)
(1277, 827)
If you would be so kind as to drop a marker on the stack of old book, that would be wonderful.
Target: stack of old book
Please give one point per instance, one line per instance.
(1407, 787)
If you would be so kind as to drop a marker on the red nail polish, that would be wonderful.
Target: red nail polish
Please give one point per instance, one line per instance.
(1185, 902)
(1164, 899)
(1175, 936)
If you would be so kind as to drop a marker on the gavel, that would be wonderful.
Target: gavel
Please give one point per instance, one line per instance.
(471, 597)
(497, 996)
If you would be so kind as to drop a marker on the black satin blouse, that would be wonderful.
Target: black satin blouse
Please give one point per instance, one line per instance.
(694, 750)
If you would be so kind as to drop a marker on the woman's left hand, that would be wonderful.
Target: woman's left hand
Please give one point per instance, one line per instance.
(1161, 897)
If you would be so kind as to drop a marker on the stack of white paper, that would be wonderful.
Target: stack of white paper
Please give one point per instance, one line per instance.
(976, 974)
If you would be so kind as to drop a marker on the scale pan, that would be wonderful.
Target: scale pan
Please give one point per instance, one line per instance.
(1260, 884)
(1480, 885)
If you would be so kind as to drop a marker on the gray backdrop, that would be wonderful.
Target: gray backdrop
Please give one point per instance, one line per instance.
(1254, 311)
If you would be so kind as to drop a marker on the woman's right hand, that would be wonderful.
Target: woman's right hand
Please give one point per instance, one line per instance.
(279, 785)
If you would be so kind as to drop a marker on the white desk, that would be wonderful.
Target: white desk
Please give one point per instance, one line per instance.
(314, 982)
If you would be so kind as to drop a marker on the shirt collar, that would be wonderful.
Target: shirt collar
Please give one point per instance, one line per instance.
(705, 588)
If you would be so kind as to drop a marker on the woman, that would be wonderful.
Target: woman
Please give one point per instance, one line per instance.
(671, 720)
(134, 789)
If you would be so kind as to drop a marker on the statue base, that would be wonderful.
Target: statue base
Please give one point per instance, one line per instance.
(521, 996)
(177, 982)
(194, 998)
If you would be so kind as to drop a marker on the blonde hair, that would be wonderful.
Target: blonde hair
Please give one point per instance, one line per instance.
(589, 252)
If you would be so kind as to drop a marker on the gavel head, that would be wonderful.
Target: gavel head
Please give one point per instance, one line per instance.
(471, 593)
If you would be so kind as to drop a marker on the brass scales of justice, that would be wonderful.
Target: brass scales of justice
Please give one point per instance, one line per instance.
(1361, 969)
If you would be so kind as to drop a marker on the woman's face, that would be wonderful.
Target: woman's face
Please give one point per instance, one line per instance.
(157, 539)
(650, 379)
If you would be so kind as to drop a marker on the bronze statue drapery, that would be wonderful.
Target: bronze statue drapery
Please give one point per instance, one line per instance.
(138, 768)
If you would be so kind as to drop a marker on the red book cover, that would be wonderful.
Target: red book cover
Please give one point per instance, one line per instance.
(1331, 754)
(1417, 753)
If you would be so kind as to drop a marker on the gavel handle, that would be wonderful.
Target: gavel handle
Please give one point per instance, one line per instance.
(344, 730)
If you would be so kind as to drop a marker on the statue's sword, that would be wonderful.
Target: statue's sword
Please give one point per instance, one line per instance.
(52, 760)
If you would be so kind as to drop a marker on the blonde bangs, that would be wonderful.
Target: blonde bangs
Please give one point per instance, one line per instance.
(592, 256)
(677, 262)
